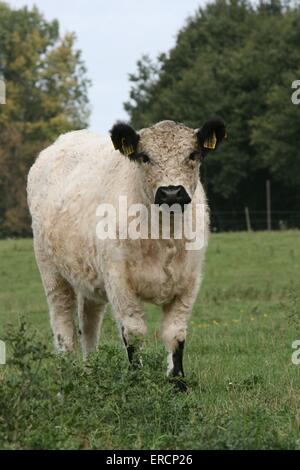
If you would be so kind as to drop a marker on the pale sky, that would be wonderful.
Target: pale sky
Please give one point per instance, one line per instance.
(113, 35)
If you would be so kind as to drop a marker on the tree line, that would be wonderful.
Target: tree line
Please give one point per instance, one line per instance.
(231, 59)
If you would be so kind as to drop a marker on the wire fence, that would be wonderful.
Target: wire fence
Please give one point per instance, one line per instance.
(224, 221)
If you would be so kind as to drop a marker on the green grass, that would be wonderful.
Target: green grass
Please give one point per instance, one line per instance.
(244, 391)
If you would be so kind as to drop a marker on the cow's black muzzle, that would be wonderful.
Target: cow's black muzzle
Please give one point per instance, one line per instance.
(171, 195)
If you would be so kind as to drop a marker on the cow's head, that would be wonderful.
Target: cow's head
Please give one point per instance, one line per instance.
(168, 155)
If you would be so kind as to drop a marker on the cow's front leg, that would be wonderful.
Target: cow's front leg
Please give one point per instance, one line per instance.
(133, 330)
(175, 360)
(174, 329)
(132, 344)
(129, 314)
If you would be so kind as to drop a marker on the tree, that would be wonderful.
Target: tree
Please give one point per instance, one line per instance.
(46, 88)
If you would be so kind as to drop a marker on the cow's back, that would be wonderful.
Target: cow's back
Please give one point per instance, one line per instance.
(73, 157)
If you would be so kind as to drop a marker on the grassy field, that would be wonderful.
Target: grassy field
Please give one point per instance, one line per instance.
(244, 391)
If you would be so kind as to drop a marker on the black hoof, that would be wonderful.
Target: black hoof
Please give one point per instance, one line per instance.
(180, 384)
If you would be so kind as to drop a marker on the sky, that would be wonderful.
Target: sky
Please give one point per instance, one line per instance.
(113, 35)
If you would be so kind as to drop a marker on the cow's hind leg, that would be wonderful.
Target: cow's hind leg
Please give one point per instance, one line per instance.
(62, 308)
(90, 318)
(61, 301)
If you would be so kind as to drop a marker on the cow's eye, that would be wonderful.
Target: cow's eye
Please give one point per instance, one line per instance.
(144, 158)
(195, 156)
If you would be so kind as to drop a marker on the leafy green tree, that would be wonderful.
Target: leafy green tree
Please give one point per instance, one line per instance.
(46, 88)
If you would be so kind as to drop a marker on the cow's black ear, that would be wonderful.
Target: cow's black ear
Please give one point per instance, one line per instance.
(210, 135)
(124, 138)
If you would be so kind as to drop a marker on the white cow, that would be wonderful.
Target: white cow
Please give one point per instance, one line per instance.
(67, 183)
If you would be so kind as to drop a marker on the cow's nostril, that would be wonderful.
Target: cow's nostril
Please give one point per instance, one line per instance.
(171, 192)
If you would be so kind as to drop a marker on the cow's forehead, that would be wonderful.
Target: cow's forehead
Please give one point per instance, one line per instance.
(166, 135)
